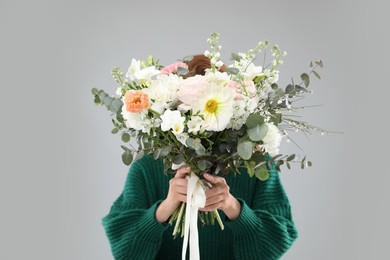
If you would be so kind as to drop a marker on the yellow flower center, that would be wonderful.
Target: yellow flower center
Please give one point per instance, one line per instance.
(211, 105)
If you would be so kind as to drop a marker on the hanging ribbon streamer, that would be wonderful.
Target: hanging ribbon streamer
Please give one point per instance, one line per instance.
(196, 198)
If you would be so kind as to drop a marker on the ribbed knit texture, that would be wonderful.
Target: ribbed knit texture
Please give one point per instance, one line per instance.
(263, 230)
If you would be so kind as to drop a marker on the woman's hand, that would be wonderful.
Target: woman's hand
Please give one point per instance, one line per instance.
(177, 193)
(219, 197)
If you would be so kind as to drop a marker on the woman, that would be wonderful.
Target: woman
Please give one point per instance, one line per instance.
(256, 214)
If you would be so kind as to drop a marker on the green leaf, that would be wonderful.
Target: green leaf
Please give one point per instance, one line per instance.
(125, 148)
(306, 79)
(288, 165)
(182, 71)
(320, 63)
(200, 150)
(139, 155)
(309, 163)
(311, 64)
(290, 158)
(188, 58)
(178, 159)
(97, 100)
(127, 157)
(125, 137)
(150, 59)
(245, 150)
(156, 154)
(316, 74)
(274, 86)
(254, 120)
(276, 118)
(202, 165)
(94, 91)
(235, 57)
(289, 89)
(250, 168)
(262, 173)
(232, 71)
(114, 131)
(258, 132)
(116, 105)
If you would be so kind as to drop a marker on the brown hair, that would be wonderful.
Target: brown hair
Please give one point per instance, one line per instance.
(199, 64)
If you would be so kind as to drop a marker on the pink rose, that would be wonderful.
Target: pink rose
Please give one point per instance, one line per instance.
(190, 87)
(173, 68)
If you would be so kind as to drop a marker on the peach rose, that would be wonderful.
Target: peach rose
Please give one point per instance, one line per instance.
(136, 101)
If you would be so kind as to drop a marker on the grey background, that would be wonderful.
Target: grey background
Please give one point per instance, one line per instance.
(60, 166)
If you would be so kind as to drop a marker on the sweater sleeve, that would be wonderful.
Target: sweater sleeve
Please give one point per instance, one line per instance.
(130, 225)
(265, 229)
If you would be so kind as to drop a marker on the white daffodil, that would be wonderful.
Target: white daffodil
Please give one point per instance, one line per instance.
(215, 103)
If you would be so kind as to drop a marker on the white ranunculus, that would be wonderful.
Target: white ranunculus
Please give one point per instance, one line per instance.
(164, 90)
(272, 140)
(139, 121)
(171, 119)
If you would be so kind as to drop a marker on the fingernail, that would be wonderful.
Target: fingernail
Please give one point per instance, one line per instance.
(206, 175)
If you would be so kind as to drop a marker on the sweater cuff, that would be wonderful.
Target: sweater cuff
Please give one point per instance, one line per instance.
(152, 229)
(242, 226)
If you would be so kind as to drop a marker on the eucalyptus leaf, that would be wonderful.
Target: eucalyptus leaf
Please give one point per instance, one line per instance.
(258, 132)
(188, 58)
(232, 71)
(114, 131)
(182, 71)
(254, 120)
(309, 163)
(125, 137)
(201, 165)
(288, 165)
(235, 57)
(306, 79)
(97, 100)
(276, 118)
(274, 86)
(156, 154)
(94, 91)
(290, 158)
(289, 89)
(139, 155)
(125, 148)
(127, 157)
(262, 173)
(200, 150)
(320, 63)
(245, 150)
(316, 74)
(250, 168)
(178, 159)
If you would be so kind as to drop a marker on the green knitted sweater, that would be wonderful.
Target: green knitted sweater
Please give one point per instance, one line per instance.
(263, 230)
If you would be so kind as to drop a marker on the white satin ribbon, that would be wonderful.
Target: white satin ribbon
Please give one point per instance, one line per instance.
(196, 198)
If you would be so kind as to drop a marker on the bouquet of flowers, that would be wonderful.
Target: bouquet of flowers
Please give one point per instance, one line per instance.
(230, 117)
